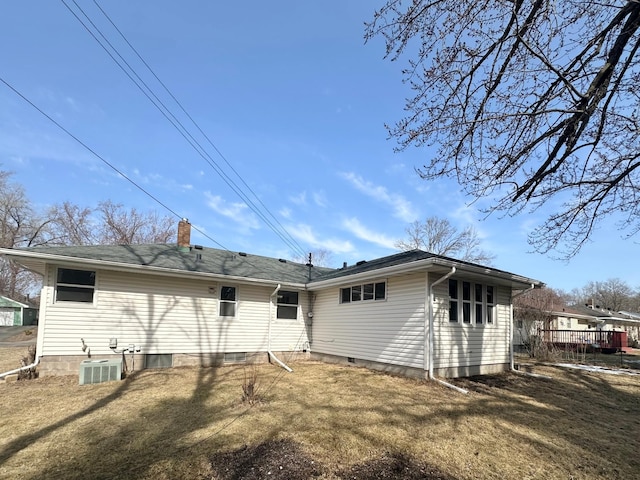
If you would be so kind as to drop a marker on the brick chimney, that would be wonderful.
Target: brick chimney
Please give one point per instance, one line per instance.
(184, 235)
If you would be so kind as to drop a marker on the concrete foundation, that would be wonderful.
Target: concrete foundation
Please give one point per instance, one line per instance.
(52, 365)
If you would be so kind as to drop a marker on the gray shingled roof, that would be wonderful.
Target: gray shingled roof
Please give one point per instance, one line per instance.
(223, 262)
(213, 261)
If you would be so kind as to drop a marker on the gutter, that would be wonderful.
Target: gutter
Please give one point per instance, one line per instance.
(431, 341)
(417, 265)
(511, 365)
(63, 260)
(271, 355)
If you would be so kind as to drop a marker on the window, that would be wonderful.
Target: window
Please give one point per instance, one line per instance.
(355, 293)
(453, 300)
(75, 285)
(233, 357)
(287, 305)
(466, 302)
(471, 302)
(490, 304)
(478, 302)
(366, 292)
(228, 301)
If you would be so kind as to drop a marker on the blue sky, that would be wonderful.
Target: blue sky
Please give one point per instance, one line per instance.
(290, 95)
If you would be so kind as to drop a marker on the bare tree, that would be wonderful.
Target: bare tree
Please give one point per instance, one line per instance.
(19, 227)
(529, 103)
(320, 257)
(120, 226)
(533, 311)
(437, 235)
(73, 225)
(613, 294)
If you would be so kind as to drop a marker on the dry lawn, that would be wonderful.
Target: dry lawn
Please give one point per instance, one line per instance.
(10, 358)
(330, 421)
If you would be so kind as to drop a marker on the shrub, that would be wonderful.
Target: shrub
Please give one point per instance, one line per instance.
(250, 386)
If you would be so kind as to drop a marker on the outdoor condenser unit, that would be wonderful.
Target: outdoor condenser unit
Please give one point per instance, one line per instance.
(98, 371)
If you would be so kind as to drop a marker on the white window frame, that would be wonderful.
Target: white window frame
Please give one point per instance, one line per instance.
(222, 301)
(470, 310)
(360, 293)
(79, 286)
(287, 306)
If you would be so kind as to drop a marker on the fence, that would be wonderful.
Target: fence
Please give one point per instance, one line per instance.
(606, 341)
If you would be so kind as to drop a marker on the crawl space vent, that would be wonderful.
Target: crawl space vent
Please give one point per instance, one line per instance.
(99, 371)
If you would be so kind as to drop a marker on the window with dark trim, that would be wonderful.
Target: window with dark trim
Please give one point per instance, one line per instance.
(228, 301)
(466, 302)
(472, 302)
(453, 300)
(75, 285)
(287, 305)
(364, 293)
(490, 304)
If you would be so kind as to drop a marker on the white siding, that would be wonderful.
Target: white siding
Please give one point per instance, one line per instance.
(165, 315)
(463, 345)
(390, 331)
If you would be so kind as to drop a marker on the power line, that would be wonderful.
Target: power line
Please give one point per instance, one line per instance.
(105, 161)
(279, 230)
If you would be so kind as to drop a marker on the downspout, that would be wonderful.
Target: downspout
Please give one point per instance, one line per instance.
(511, 355)
(431, 339)
(271, 355)
(26, 367)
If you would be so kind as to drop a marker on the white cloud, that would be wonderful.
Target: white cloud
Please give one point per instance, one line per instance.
(305, 233)
(285, 212)
(354, 226)
(401, 206)
(238, 212)
(300, 199)
(320, 199)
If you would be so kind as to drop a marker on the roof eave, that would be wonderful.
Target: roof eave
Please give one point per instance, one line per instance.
(17, 255)
(515, 281)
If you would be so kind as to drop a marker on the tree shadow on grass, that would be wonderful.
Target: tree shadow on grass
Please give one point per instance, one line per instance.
(129, 449)
(24, 441)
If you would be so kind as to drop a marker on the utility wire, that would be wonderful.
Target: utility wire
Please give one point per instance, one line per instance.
(193, 121)
(106, 162)
(175, 122)
(281, 232)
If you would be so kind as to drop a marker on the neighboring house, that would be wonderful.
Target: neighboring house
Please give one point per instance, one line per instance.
(189, 305)
(575, 318)
(14, 313)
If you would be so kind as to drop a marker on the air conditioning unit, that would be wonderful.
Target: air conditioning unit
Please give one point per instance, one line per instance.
(99, 371)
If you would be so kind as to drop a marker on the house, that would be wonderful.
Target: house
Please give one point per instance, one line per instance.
(14, 313)
(573, 324)
(170, 305)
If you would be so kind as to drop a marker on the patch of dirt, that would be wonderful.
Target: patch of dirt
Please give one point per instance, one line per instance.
(486, 383)
(274, 459)
(285, 460)
(393, 465)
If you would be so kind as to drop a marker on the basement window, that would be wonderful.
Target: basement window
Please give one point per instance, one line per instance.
(75, 285)
(235, 357)
(158, 360)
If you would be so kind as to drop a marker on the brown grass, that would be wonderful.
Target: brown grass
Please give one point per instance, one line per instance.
(167, 424)
(10, 357)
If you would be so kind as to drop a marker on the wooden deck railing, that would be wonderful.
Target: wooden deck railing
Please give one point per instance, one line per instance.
(585, 338)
